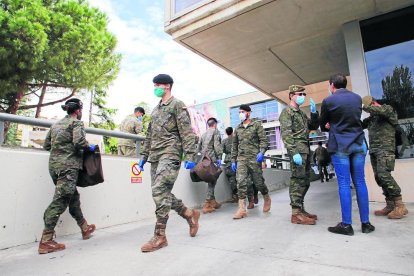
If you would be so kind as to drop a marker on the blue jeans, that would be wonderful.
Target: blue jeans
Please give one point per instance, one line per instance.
(351, 165)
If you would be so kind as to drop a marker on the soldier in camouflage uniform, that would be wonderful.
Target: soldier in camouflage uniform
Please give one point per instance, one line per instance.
(66, 143)
(210, 142)
(381, 126)
(295, 126)
(131, 124)
(231, 176)
(247, 154)
(169, 136)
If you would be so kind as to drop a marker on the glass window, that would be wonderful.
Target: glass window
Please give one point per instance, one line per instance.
(388, 45)
(181, 5)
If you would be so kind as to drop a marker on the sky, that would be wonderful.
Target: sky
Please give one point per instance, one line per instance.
(147, 51)
(381, 63)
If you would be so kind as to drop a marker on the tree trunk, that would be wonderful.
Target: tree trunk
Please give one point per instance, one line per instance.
(15, 105)
(41, 98)
(74, 90)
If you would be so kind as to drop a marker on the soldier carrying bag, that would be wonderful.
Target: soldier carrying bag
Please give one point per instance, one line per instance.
(92, 173)
(206, 169)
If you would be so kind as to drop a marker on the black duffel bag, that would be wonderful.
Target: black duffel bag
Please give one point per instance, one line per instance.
(92, 173)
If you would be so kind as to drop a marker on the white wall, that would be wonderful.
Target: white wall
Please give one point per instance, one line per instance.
(27, 189)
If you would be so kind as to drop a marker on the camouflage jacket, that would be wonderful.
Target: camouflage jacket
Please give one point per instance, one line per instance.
(130, 125)
(248, 141)
(66, 143)
(227, 144)
(381, 126)
(295, 126)
(169, 133)
(214, 148)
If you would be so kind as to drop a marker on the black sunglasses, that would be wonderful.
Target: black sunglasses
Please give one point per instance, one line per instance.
(300, 94)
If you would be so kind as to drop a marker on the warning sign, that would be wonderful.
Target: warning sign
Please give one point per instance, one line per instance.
(136, 173)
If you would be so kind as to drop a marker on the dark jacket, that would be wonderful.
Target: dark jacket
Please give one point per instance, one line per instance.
(343, 112)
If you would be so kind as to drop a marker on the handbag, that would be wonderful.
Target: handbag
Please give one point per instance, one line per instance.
(92, 172)
(206, 169)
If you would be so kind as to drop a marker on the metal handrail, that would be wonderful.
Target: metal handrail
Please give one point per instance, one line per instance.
(4, 117)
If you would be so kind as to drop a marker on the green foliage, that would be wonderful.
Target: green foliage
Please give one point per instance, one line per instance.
(399, 92)
(63, 44)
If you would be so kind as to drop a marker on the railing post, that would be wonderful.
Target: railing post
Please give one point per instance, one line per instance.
(1, 132)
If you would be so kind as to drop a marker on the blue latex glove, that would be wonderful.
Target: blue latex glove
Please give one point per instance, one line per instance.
(297, 159)
(92, 147)
(260, 157)
(189, 165)
(312, 106)
(234, 167)
(218, 163)
(141, 164)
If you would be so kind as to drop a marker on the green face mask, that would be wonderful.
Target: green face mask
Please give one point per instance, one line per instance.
(159, 92)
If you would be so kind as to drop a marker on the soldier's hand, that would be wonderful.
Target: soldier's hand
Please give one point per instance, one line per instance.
(218, 163)
(260, 157)
(297, 159)
(189, 165)
(92, 147)
(312, 106)
(234, 167)
(141, 164)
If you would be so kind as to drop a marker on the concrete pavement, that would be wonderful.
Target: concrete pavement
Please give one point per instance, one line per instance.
(261, 244)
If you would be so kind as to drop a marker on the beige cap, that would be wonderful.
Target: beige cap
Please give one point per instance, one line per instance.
(367, 100)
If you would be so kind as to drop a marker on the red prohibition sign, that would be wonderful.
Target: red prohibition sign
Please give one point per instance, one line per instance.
(135, 169)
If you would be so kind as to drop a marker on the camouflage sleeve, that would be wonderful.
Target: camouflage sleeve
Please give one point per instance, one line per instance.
(218, 149)
(79, 140)
(235, 147)
(186, 132)
(47, 145)
(200, 143)
(287, 135)
(263, 141)
(147, 143)
(138, 127)
(313, 122)
(383, 111)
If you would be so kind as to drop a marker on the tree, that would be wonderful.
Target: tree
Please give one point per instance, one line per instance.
(399, 92)
(52, 46)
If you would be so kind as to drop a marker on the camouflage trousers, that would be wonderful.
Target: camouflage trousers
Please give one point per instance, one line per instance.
(163, 176)
(231, 177)
(383, 164)
(299, 181)
(210, 190)
(245, 169)
(66, 195)
(127, 151)
(251, 188)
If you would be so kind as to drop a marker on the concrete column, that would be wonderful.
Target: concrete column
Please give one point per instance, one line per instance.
(356, 58)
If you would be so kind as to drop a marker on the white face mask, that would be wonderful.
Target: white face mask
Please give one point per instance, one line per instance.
(242, 116)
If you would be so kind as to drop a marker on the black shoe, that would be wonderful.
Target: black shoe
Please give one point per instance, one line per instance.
(343, 229)
(367, 228)
(327, 180)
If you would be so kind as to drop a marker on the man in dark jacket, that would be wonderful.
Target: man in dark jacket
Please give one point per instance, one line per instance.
(340, 115)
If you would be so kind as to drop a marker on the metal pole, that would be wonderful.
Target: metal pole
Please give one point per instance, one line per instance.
(1, 132)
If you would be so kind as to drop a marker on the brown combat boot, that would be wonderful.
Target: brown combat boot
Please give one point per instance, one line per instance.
(399, 209)
(267, 203)
(387, 209)
(207, 207)
(192, 216)
(87, 229)
(215, 204)
(241, 212)
(158, 241)
(48, 245)
(312, 216)
(251, 202)
(299, 218)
